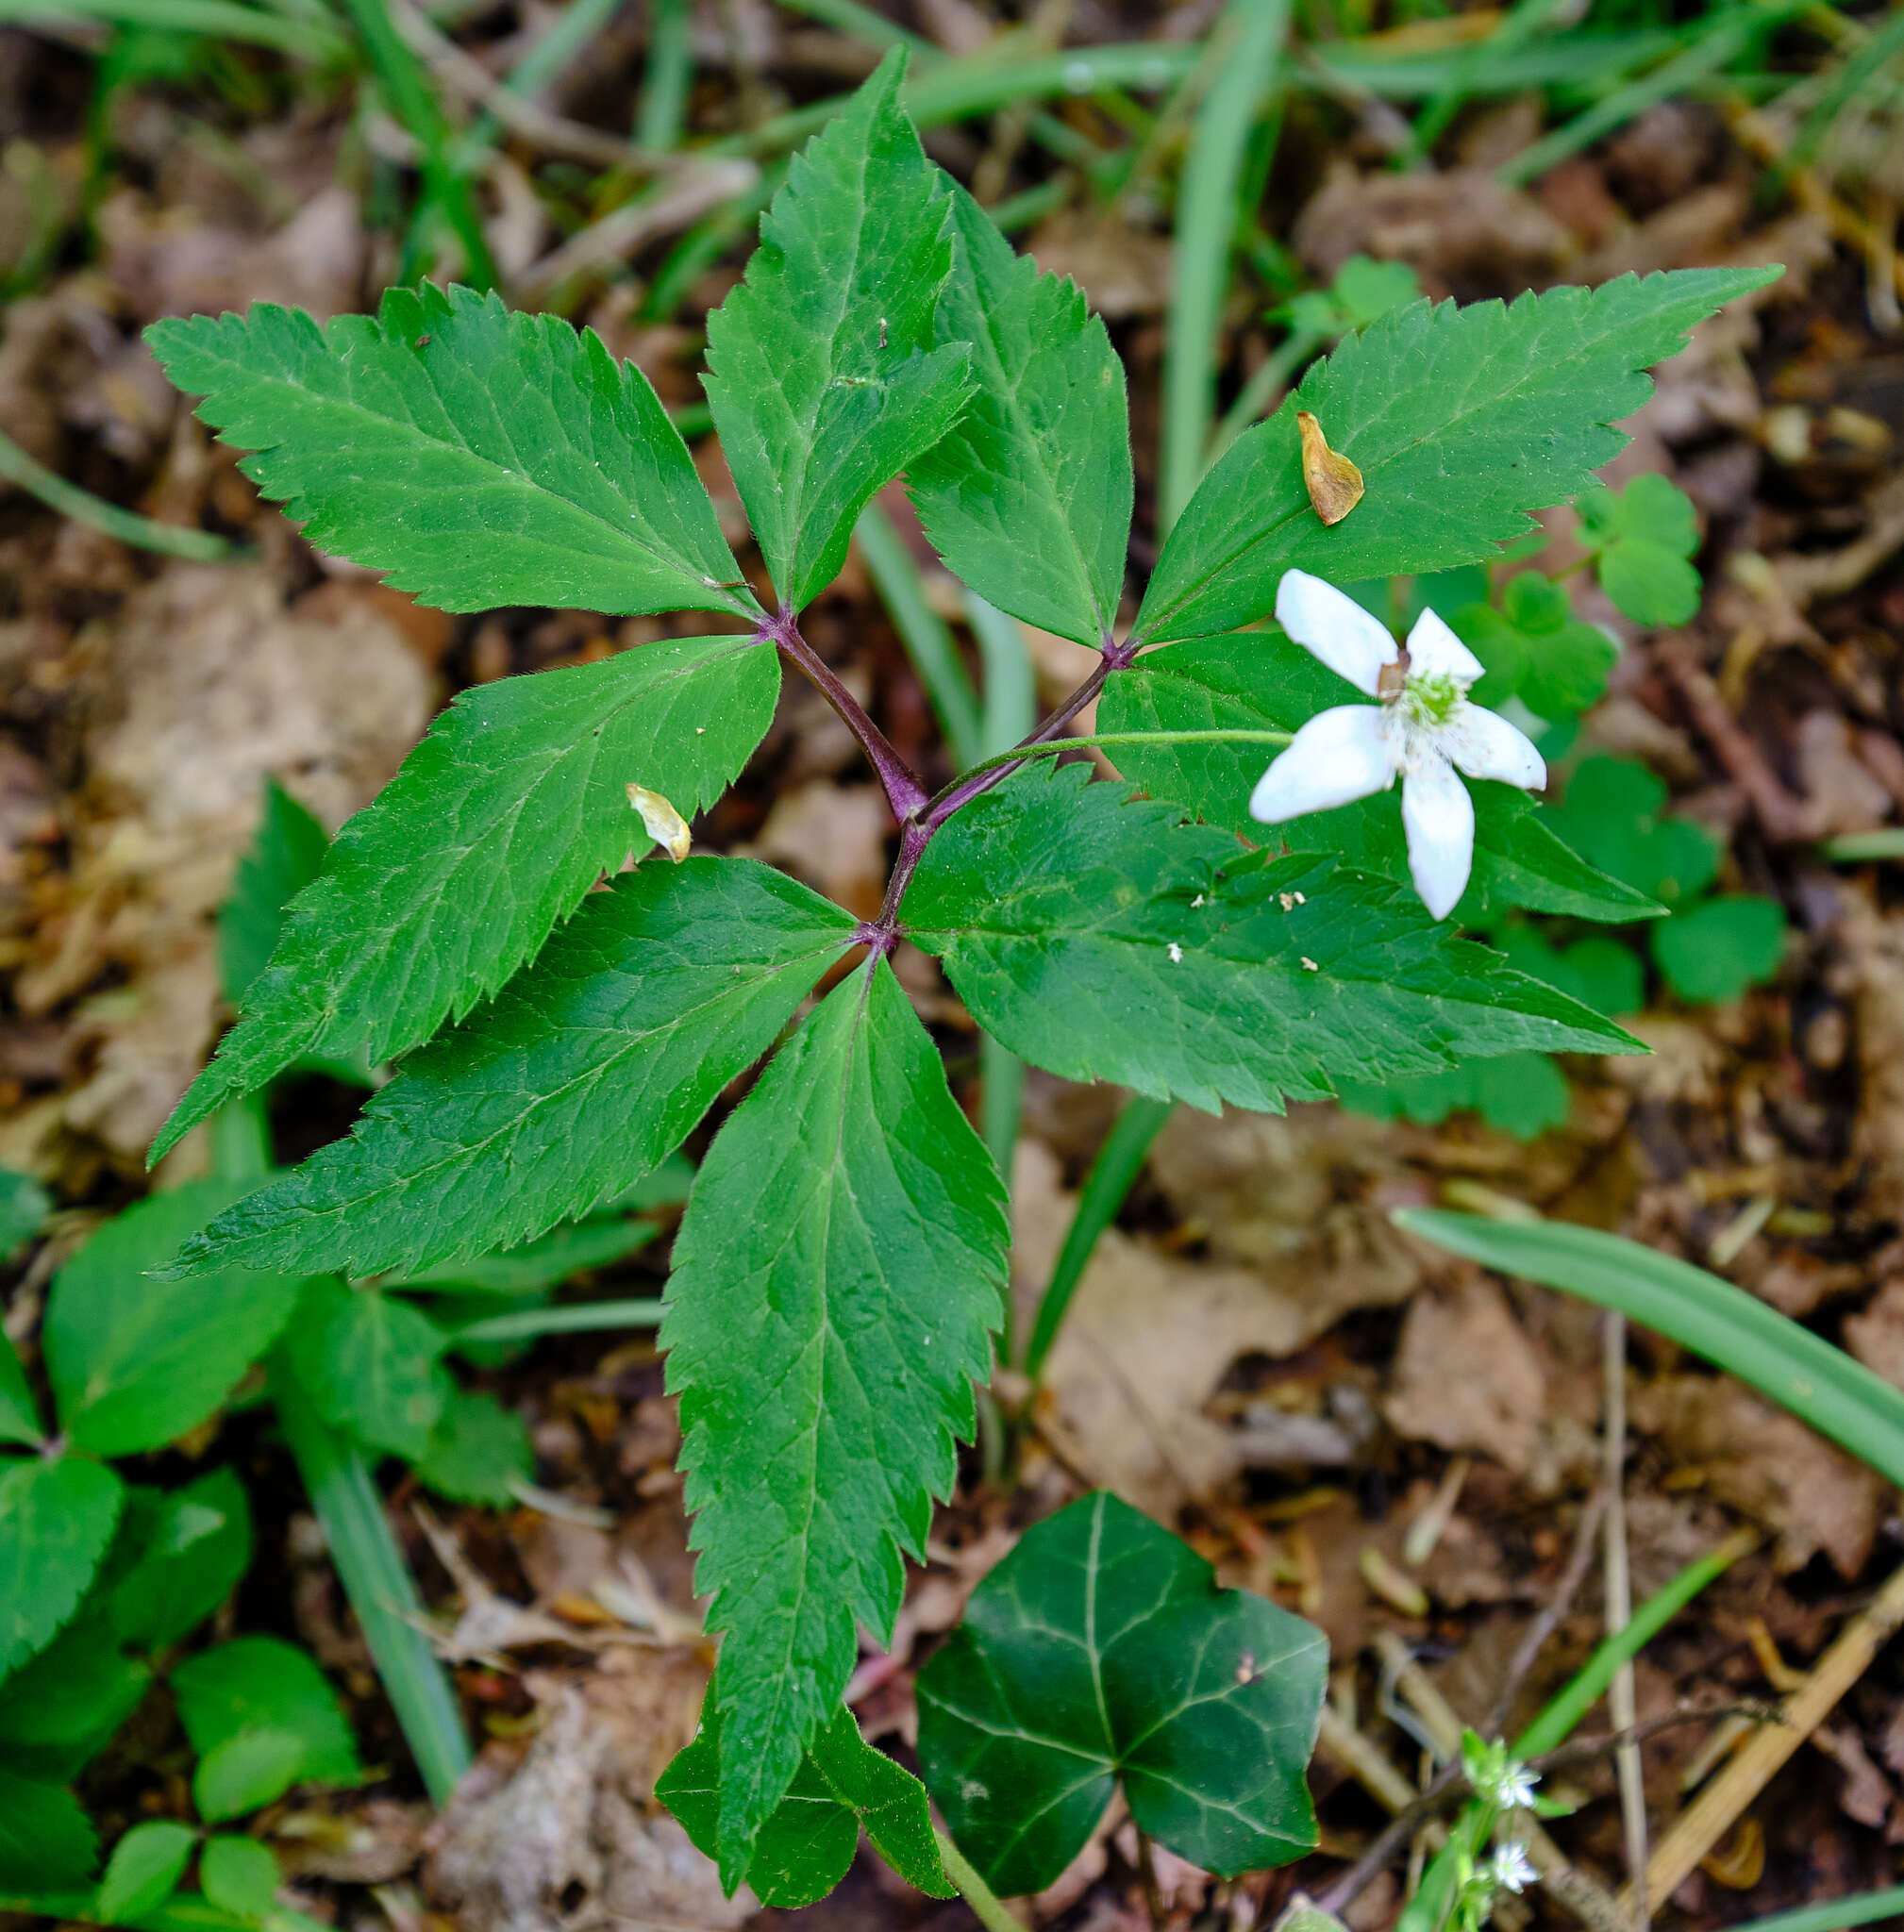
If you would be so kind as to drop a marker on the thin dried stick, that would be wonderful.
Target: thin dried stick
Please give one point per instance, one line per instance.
(1580, 1560)
(1711, 1815)
(1621, 1702)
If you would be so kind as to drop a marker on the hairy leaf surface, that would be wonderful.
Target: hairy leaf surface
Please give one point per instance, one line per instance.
(823, 376)
(1028, 498)
(136, 1362)
(479, 457)
(499, 821)
(571, 1085)
(1101, 1649)
(836, 1280)
(805, 1847)
(1106, 939)
(1256, 681)
(1460, 420)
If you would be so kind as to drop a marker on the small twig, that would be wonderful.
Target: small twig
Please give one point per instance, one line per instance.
(1598, 1743)
(1153, 1892)
(1783, 819)
(1580, 1560)
(1447, 1784)
(1711, 1815)
(1620, 1701)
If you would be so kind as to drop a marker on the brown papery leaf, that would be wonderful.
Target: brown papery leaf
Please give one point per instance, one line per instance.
(1333, 482)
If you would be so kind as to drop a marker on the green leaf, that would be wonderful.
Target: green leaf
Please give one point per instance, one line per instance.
(1028, 498)
(536, 1265)
(198, 1548)
(1100, 1649)
(263, 1684)
(136, 1362)
(45, 1838)
(1106, 939)
(238, 1874)
(574, 1082)
(145, 1869)
(822, 375)
(369, 1364)
(57, 1517)
(1599, 970)
(1521, 1093)
(807, 1843)
(72, 1697)
(1534, 647)
(1718, 948)
(1461, 420)
(244, 1773)
(1646, 535)
(19, 1412)
(837, 1276)
(1612, 818)
(477, 1450)
(286, 855)
(479, 458)
(491, 833)
(1259, 682)
(23, 1208)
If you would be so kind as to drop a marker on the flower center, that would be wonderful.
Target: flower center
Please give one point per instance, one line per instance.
(1432, 700)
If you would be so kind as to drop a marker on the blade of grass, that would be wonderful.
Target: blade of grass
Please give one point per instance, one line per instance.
(304, 39)
(378, 1584)
(1835, 1916)
(667, 75)
(412, 99)
(1856, 73)
(1720, 41)
(1819, 1384)
(925, 634)
(580, 1318)
(860, 22)
(1521, 23)
(1856, 847)
(1113, 1174)
(1011, 694)
(196, 546)
(1207, 221)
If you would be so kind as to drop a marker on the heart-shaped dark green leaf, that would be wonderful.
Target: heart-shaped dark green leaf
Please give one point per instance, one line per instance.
(1257, 681)
(1106, 939)
(805, 1847)
(1099, 1650)
(491, 833)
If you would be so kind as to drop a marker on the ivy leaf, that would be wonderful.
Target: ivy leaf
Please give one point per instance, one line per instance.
(367, 1362)
(477, 457)
(1259, 682)
(47, 1840)
(574, 1082)
(198, 1547)
(144, 1869)
(1100, 1649)
(1028, 498)
(57, 1517)
(262, 1684)
(1105, 940)
(837, 1277)
(284, 856)
(822, 375)
(499, 821)
(136, 1362)
(1721, 946)
(806, 1845)
(477, 1451)
(1646, 535)
(1460, 420)
(1534, 647)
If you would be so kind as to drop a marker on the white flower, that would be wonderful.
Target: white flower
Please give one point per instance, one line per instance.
(1512, 1869)
(1514, 1789)
(1422, 734)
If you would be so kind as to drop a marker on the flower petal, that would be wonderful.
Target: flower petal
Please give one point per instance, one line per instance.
(1435, 651)
(1335, 628)
(1439, 818)
(1485, 746)
(1339, 755)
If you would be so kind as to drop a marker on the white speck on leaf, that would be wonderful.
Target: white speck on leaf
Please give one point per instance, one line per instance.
(1175, 954)
(1309, 965)
(1197, 901)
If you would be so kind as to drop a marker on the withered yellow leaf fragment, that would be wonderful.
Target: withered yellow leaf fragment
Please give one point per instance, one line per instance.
(1333, 482)
(665, 826)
